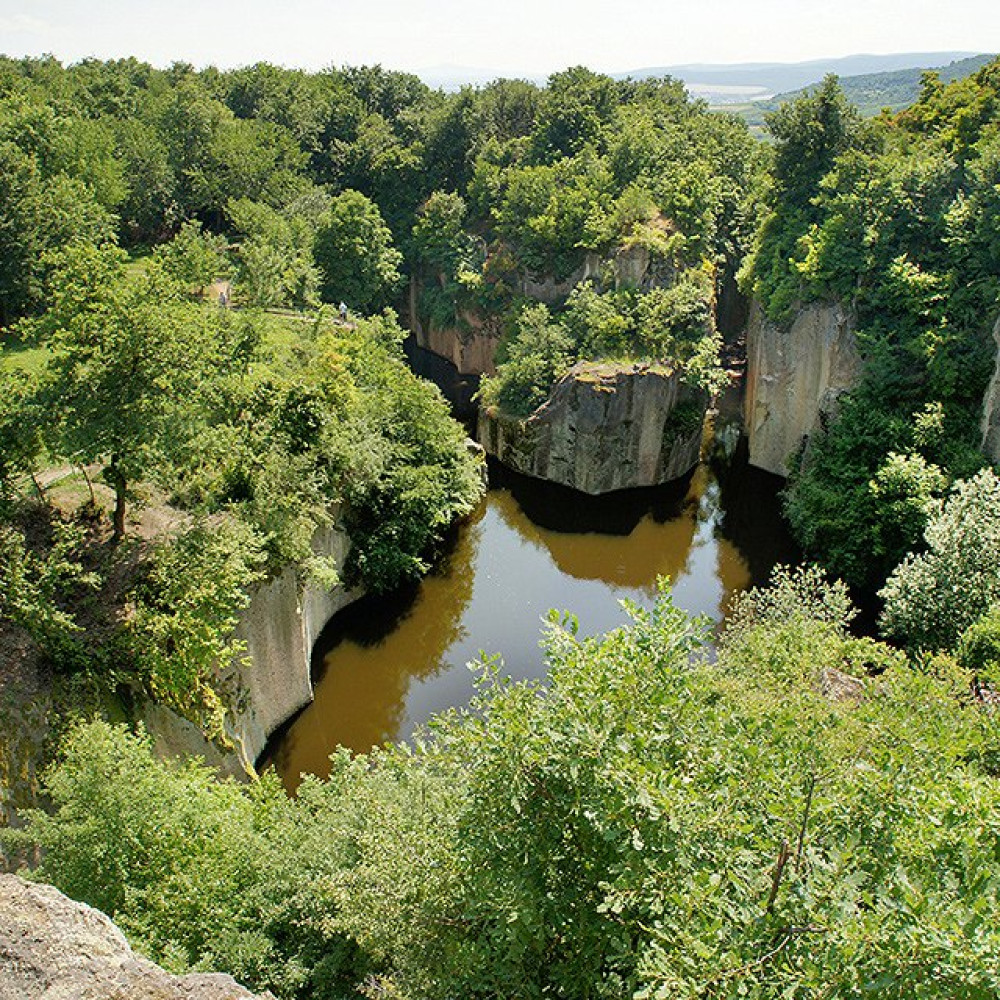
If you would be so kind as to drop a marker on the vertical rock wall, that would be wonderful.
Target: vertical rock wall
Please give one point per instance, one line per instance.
(280, 628)
(604, 428)
(794, 376)
(991, 408)
(471, 346)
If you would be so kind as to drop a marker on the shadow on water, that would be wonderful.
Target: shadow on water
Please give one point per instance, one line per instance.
(750, 508)
(561, 509)
(386, 664)
(458, 389)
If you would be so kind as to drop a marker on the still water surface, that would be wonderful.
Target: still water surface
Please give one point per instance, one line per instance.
(386, 664)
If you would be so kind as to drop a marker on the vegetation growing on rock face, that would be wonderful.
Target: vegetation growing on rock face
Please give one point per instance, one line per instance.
(896, 219)
(808, 813)
(653, 197)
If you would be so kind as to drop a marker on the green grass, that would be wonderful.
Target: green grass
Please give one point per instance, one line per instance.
(15, 356)
(283, 336)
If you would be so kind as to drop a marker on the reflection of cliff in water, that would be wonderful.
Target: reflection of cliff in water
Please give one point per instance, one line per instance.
(370, 653)
(750, 506)
(624, 539)
(558, 508)
(391, 662)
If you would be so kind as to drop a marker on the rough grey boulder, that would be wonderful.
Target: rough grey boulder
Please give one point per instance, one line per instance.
(52, 948)
(991, 408)
(605, 427)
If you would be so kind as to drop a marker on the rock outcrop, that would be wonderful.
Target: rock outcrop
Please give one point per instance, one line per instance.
(794, 376)
(471, 343)
(604, 428)
(279, 627)
(554, 291)
(471, 348)
(52, 948)
(991, 408)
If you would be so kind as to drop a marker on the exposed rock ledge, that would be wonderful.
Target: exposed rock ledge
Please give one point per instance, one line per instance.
(52, 948)
(472, 349)
(604, 428)
(471, 344)
(280, 627)
(991, 408)
(794, 377)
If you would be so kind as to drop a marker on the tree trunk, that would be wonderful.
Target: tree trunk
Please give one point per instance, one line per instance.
(118, 481)
(39, 489)
(90, 486)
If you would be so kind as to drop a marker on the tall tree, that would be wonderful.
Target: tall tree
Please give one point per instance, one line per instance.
(130, 358)
(355, 255)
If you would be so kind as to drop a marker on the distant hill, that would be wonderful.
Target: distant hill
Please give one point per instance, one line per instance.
(726, 83)
(871, 92)
(777, 78)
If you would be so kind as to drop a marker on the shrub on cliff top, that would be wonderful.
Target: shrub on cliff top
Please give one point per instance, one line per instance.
(931, 598)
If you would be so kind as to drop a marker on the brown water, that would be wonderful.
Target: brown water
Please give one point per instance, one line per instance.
(386, 664)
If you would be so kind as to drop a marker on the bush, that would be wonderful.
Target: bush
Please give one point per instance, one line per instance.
(642, 823)
(932, 598)
(979, 649)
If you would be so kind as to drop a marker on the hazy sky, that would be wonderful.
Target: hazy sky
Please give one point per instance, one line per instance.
(512, 36)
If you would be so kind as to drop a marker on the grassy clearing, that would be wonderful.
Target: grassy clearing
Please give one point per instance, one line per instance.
(17, 356)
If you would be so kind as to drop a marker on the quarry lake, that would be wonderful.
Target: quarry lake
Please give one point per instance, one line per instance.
(384, 665)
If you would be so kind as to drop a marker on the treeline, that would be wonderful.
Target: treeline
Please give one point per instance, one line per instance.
(333, 186)
(222, 442)
(808, 814)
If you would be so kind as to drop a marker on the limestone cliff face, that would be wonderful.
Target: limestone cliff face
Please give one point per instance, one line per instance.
(52, 948)
(604, 428)
(285, 617)
(470, 346)
(794, 376)
(991, 408)
(280, 627)
(554, 291)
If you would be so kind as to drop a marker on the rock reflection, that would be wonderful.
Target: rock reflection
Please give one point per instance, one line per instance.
(389, 663)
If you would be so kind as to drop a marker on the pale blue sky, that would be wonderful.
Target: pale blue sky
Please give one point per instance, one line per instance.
(510, 36)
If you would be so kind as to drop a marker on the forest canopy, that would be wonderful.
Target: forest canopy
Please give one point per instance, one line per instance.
(798, 812)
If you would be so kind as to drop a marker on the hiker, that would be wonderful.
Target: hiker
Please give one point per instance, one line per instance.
(342, 309)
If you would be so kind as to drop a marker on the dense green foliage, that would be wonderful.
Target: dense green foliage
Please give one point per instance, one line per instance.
(321, 183)
(804, 814)
(674, 324)
(896, 219)
(932, 597)
(643, 823)
(621, 206)
(354, 253)
(261, 430)
(979, 651)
